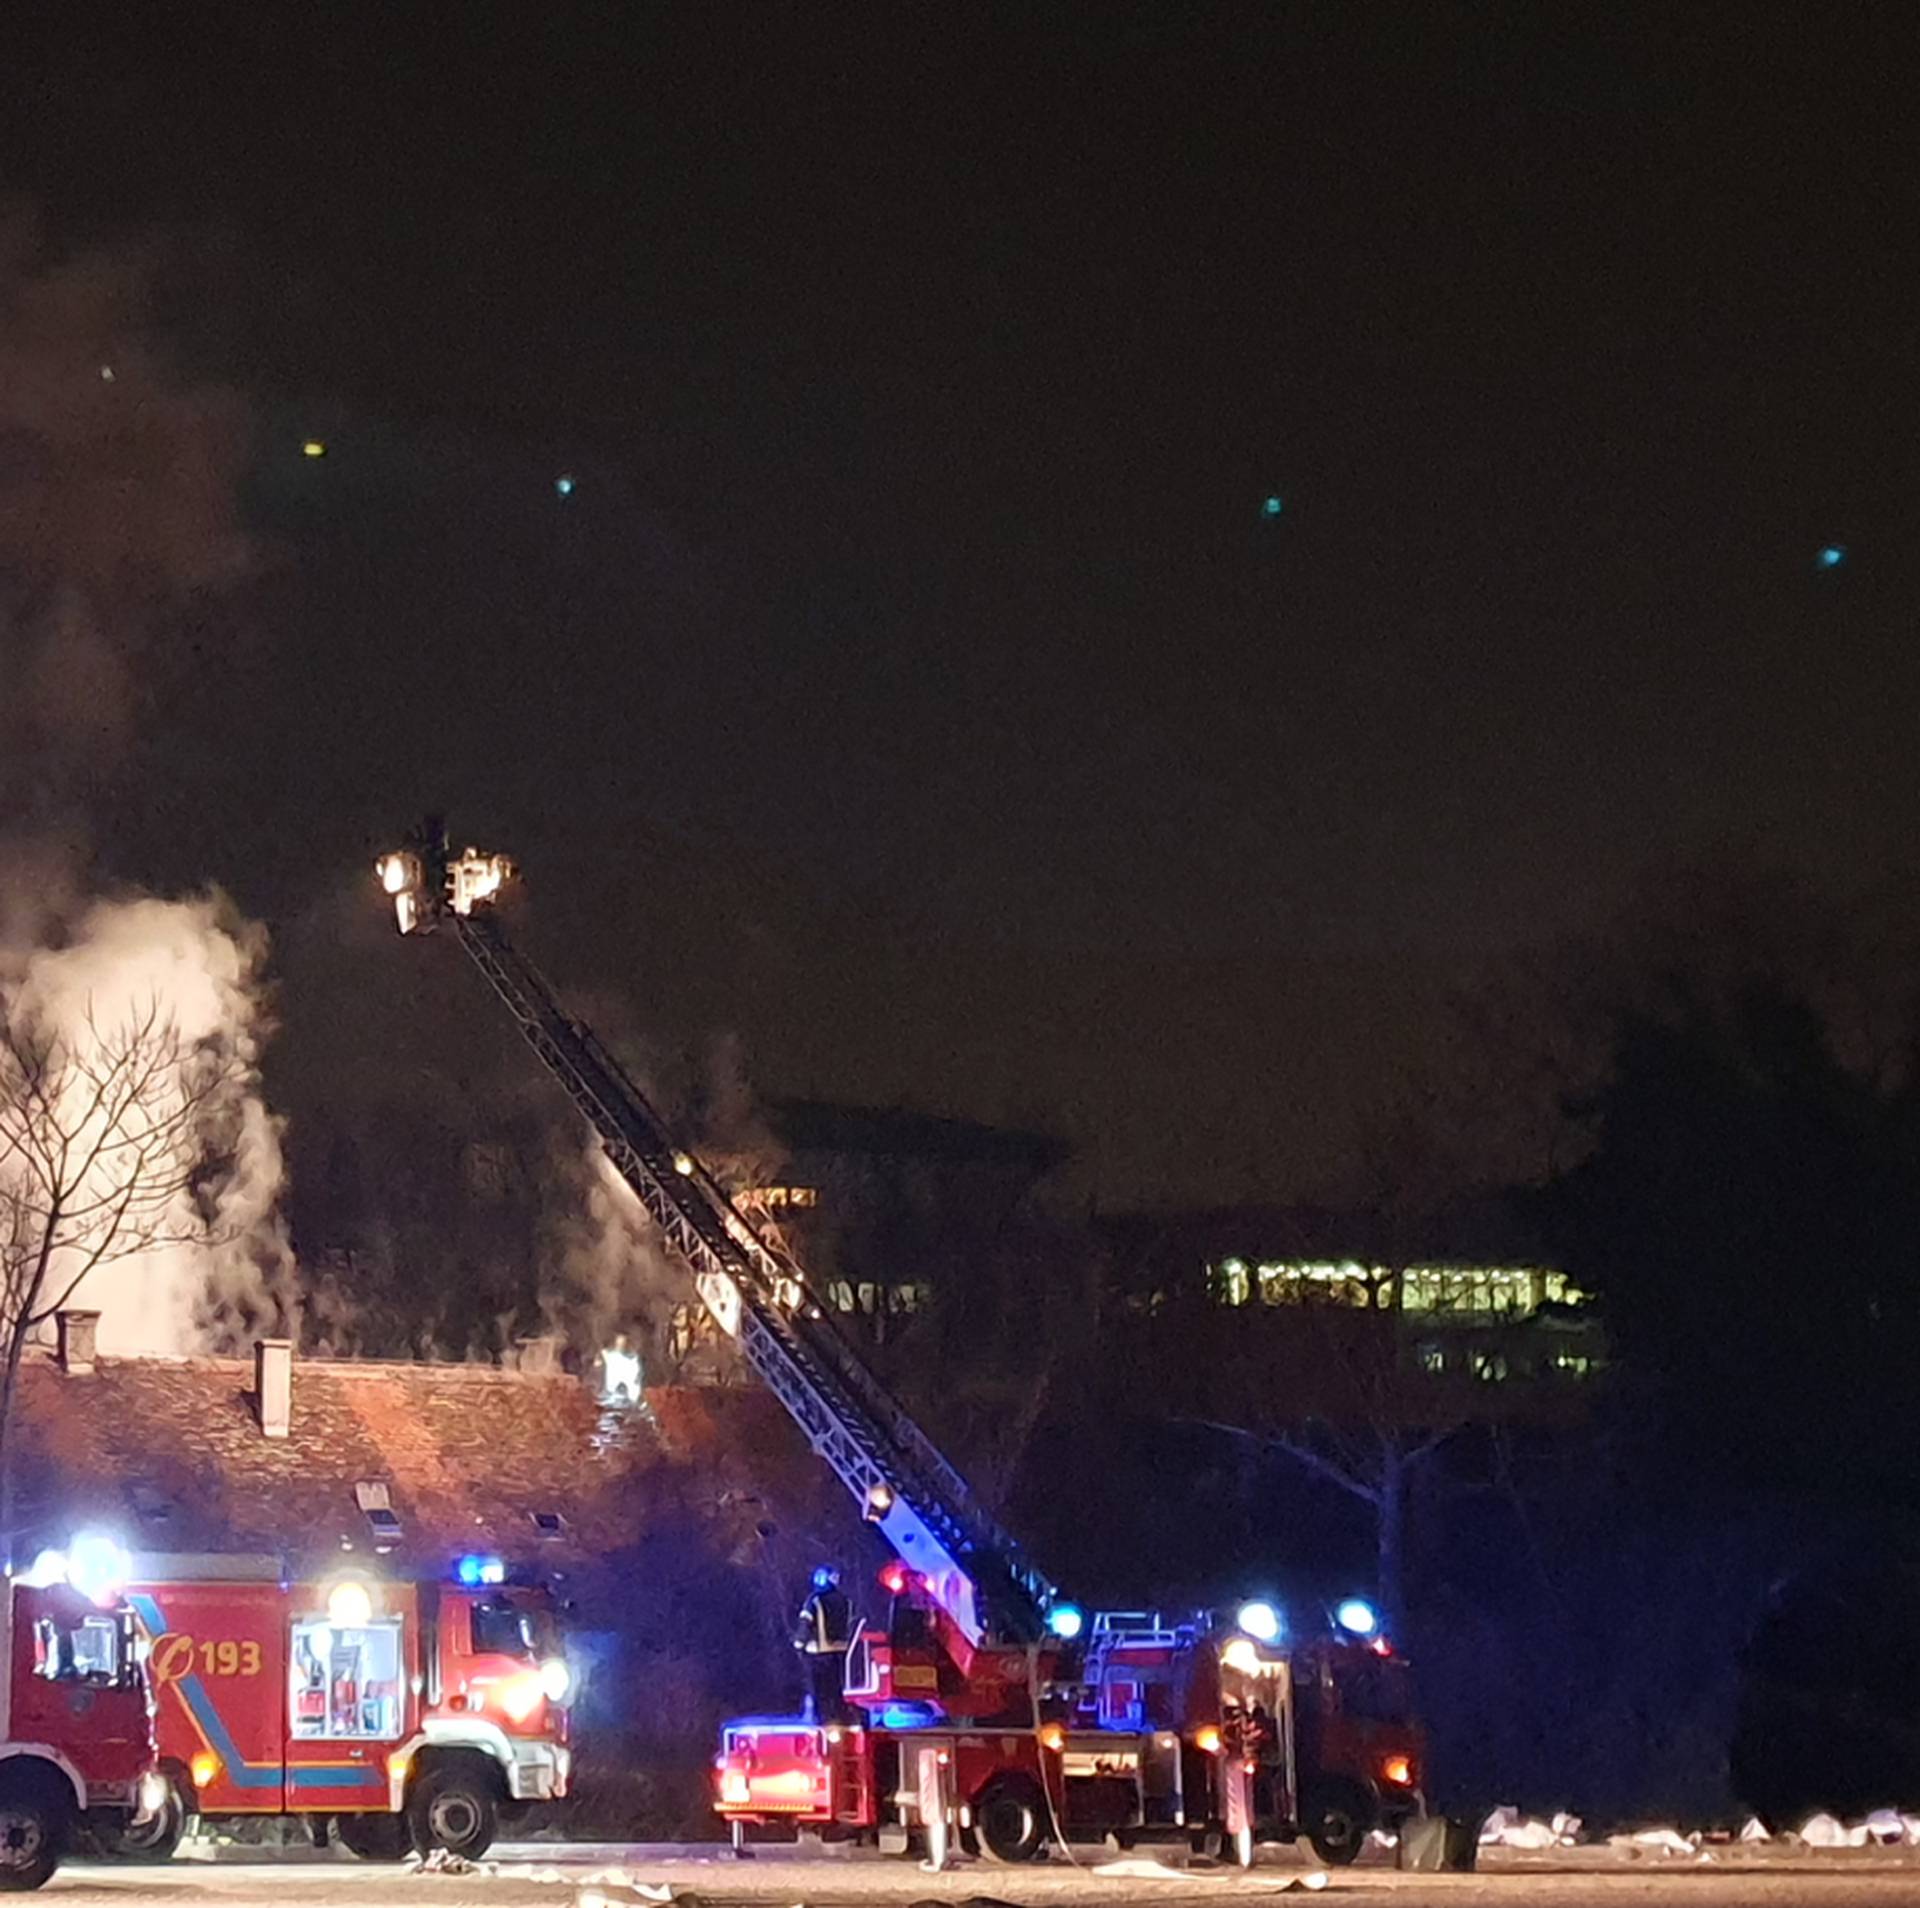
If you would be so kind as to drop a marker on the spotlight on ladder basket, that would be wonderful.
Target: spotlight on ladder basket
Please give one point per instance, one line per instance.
(1261, 1620)
(1066, 1621)
(879, 1503)
(1357, 1616)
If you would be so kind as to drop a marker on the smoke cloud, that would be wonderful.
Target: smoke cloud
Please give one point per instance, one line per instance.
(608, 1276)
(120, 530)
(200, 964)
(119, 509)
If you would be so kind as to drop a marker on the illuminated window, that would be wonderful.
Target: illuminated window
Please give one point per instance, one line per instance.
(1489, 1367)
(1469, 1291)
(87, 1652)
(777, 1198)
(1433, 1358)
(344, 1683)
(1572, 1364)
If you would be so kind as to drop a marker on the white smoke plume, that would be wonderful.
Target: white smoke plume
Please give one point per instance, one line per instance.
(199, 965)
(120, 531)
(607, 1275)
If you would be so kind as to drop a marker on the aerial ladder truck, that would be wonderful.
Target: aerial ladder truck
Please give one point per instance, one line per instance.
(988, 1706)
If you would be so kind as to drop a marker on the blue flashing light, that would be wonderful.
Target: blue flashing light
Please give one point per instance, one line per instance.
(1357, 1615)
(474, 1571)
(1262, 1621)
(907, 1715)
(1066, 1621)
(1832, 556)
(564, 486)
(1273, 506)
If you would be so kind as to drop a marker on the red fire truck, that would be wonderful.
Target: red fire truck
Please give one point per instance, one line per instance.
(406, 1715)
(76, 1726)
(989, 1705)
(1219, 1733)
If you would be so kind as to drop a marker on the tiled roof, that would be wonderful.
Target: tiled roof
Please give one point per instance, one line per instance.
(894, 1132)
(169, 1452)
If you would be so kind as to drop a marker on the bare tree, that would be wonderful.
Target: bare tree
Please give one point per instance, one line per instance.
(107, 1136)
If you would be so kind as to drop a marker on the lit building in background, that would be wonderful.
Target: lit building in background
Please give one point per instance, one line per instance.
(1459, 1290)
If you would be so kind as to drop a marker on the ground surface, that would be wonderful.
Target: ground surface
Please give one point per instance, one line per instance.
(548, 1876)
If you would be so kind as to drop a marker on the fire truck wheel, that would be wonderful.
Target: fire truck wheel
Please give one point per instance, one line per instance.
(150, 1838)
(454, 1806)
(1010, 1820)
(374, 1838)
(30, 1829)
(1336, 1820)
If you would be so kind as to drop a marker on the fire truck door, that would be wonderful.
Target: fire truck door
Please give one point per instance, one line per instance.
(218, 1674)
(346, 1685)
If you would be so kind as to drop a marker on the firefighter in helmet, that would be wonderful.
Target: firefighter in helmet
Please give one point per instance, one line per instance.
(823, 1634)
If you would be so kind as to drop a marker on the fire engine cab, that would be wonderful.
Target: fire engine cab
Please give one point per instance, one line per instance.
(407, 1715)
(76, 1728)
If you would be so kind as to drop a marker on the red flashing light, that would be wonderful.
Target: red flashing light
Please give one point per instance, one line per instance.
(896, 1579)
(1380, 1646)
(1398, 1770)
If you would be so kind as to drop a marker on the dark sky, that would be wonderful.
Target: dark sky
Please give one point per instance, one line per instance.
(913, 680)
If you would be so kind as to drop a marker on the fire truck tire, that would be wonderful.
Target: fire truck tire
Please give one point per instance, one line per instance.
(33, 1830)
(374, 1838)
(151, 1840)
(1010, 1820)
(1336, 1820)
(455, 1805)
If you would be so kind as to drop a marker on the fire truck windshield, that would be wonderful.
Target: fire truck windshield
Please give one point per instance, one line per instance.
(1377, 1690)
(96, 1651)
(503, 1628)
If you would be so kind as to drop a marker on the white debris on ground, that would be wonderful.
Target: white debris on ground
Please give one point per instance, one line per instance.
(1506, 1827)
(1888, 1828)
(1138, 1868)
(1665, 1841)
(443, 1861)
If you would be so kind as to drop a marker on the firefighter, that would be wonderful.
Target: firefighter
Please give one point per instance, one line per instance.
(823, 1634)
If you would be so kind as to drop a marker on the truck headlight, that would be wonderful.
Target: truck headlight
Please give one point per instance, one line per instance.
(556, 1680)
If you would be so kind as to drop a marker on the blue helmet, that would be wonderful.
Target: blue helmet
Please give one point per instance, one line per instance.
(826, 1578)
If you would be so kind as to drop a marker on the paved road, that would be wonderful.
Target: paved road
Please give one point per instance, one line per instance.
(537, 1876)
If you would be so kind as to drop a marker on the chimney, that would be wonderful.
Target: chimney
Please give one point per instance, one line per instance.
(273, 1385)
(76, 1332)
(540, 1357)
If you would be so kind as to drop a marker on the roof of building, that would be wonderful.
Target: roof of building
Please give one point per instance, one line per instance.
(895, 1132)
(1476, 1231)
(169, 1453)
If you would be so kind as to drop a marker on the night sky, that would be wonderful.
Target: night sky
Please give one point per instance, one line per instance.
(917, 678)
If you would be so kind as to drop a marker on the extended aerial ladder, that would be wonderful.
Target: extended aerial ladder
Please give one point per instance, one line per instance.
(754, 1289)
